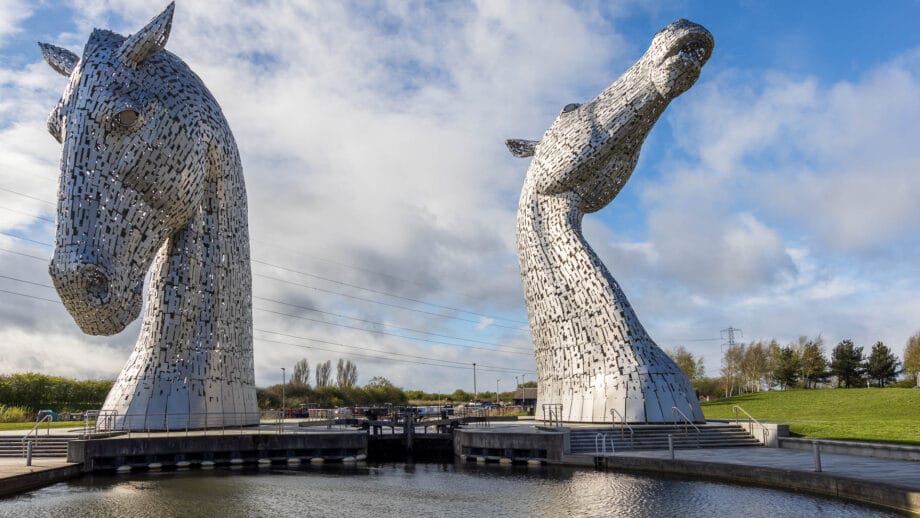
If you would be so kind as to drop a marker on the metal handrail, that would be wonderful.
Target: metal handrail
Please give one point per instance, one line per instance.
(601, 449)
(195, 423)
(622, 423)
(687, 421)
(34, 429)
(751, 420)
(554, 411)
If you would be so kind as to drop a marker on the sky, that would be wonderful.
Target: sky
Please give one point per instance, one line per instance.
(777, 196)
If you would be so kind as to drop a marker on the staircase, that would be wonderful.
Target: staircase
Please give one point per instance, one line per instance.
(42, 446)
(655, 437)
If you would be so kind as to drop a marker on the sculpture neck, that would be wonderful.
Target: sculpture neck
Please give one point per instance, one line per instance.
(553, 252)
(200, 290)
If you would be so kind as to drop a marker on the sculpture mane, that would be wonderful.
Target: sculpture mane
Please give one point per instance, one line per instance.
(593, 355)
(151, 181)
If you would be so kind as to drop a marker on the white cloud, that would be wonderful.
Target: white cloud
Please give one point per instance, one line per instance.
(12, 12)
(373, 138)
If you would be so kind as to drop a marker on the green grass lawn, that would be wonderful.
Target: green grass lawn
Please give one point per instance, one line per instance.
(879, 415)
(28, 426)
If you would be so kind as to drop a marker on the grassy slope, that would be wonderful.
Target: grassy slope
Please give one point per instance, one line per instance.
(28, 426)
(881, 415)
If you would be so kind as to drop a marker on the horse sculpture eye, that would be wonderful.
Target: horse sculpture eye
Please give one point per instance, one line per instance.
(127, 118)
(570, 107)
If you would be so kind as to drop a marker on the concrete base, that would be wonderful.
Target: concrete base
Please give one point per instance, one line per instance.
(903, 499)
(15, 483)
(142, 453)
(517, 445)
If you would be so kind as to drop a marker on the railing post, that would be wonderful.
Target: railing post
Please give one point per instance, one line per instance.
(29, 453)
(816, 452)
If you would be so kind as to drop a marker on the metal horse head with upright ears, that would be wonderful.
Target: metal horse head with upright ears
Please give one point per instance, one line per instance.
(151, 182)
(134, 155)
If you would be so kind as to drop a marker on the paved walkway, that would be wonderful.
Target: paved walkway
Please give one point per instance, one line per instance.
(15, 466)
(897, 472)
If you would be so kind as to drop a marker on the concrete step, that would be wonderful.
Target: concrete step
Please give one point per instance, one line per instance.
(42, 446)
(655, 437)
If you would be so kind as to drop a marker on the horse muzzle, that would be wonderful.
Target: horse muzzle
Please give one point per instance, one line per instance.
(86, 288)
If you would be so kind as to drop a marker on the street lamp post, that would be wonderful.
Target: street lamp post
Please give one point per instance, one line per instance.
(283, 380)
(496, 390)
(475, 392)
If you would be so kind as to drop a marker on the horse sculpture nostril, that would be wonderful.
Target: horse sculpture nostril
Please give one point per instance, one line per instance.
(97, 285)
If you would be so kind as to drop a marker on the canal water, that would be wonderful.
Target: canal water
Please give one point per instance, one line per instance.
(409, 490)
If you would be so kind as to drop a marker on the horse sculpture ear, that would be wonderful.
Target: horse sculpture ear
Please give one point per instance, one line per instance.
(148, 41)
(521, 148)
(61, 60)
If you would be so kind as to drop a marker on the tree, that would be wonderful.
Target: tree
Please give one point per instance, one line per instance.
(323, 373)
(847, 363)
(301, 373)
(812, 361)
(754, 364)
(786, 367)
(882, 366)
(774, 356)
(346, 374)
(693, 367)
(912, 357)
(731, 368)
(380, 381)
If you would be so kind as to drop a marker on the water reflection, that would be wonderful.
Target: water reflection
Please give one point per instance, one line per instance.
(408, 490)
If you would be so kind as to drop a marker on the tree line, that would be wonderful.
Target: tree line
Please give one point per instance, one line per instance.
(36, 392)
(760, 365)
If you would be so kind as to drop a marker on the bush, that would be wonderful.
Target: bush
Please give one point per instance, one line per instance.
(14, 414)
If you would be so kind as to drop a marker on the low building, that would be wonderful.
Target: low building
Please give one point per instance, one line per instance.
(526, 397)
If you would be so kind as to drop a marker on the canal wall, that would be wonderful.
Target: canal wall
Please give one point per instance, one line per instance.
(903, 499)
(860, 449)
(513, 446)
(14, 484)
(146, 452)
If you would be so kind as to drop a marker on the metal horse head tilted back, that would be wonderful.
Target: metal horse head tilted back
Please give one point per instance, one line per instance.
(594, 358)
(151, 181)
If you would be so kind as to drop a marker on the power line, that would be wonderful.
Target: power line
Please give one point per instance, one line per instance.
(359, 355)
(327, 342)
(380, 292)
(30, 296)
(690, 339)
(24, 213)
(379, 302)
(22, 254)
(524, 351)
(336, 324)
(337, 263)
(27, 196)
(42, 243)
(390, 334)
(27, 282)
(383, 324)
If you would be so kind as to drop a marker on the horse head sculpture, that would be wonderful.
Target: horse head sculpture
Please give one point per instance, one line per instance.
(151, 181)
(593, 355)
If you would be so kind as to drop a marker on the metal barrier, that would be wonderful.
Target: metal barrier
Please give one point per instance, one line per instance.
(203, 423)
(552, 414)
(687, 423)
(750, 424)
(622, 422)
(601, 449)
(28, 438)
